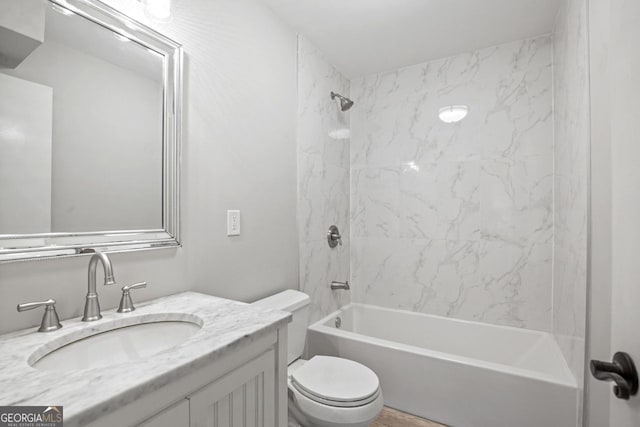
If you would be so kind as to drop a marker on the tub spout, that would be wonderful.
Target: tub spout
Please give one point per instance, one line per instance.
(340, 285)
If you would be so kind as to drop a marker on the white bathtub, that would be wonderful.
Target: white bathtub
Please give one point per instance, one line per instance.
(460, 373)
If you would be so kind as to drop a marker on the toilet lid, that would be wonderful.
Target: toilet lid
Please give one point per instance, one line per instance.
(336, 379)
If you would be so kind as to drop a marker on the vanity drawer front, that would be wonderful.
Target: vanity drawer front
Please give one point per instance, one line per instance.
(175, 416)
(242, 398)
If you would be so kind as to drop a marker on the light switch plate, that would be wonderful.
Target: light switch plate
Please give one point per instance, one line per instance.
(233, 223)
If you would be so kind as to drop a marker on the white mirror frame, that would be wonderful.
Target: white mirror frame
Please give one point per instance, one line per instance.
(14, 247)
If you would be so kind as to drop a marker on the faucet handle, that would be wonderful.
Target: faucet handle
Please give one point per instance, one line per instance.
(126, 303)
(50, 321)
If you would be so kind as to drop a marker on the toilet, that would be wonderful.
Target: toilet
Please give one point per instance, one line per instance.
(324, 391)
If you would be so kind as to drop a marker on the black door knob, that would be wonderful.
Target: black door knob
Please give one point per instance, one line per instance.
(621, 371)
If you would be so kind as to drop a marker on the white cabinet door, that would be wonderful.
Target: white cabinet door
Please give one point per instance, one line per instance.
(174, 416)
(242, 398)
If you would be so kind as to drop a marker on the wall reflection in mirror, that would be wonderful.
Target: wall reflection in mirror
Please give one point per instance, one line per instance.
(81, 132)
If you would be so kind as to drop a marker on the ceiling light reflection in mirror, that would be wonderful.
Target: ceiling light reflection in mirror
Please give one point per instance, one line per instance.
(157, 10)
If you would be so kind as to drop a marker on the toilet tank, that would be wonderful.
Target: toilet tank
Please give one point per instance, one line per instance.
(297, 303)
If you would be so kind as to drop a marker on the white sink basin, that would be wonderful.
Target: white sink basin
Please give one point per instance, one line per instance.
(117, 346)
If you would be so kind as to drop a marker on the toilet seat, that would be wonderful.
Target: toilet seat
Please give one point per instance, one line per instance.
(336, 382)
(323, 415)
(335, 403)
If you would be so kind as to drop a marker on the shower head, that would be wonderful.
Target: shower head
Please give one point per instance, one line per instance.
(345, 103)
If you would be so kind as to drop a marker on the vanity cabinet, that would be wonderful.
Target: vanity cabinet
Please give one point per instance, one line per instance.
(238, 399)
(241, 398)
(246, 387)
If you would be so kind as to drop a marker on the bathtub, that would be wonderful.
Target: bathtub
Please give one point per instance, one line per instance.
(459, 373)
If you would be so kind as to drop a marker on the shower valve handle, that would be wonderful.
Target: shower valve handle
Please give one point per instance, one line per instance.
(333, 237)
(336, 236)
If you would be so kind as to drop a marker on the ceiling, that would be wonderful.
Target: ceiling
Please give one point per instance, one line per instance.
(367, 36)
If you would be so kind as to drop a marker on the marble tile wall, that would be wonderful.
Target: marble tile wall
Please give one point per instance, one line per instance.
(571, 117)
(323, 179)
(456, 219)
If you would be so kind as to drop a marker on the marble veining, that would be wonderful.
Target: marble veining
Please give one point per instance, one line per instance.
(323, 180)
(456, 219)
(572, 127)
(225, 325)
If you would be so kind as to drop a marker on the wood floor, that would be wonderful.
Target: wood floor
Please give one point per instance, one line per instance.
(392, 418)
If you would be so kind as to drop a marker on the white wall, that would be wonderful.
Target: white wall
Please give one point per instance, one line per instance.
(95, 186)
(25, 156)
(456, 219)
(323, 180)
(597, 393)
(571, 155)
(239, 153)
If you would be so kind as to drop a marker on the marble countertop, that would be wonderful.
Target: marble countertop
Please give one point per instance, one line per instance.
(225, 325)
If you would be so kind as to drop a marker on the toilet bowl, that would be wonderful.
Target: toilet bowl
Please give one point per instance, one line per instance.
(333, 392)
(324, 391)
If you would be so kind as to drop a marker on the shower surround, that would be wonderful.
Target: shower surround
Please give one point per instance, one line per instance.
(323, 179)
(457, 219)
(481, 220)
(572, 128)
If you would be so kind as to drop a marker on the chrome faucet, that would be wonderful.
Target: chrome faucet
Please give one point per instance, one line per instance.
(92, 306)
(340, 285)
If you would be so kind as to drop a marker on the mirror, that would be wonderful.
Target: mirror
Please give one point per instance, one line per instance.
(89, 137)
